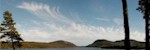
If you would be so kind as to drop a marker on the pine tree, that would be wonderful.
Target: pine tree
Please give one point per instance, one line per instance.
(144, 8)
(8, 30)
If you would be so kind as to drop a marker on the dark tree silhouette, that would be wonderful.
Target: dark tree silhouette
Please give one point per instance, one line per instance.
(143, 7)
(8, 30)
(126, 25)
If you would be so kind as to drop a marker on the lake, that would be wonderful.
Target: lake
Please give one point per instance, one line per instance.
(75, 48)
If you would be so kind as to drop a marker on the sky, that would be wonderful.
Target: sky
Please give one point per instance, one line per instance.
(78, 21)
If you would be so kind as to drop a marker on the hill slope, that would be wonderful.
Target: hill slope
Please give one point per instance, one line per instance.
(55, 44)
(116, 44)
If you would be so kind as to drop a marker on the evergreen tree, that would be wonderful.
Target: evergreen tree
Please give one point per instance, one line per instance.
(144, 8)
(8, 30)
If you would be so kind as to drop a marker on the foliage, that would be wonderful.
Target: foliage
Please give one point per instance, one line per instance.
(142, 6)
(8, 30)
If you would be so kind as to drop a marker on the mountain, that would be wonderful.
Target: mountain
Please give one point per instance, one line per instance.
(55, 44)
(117, 44)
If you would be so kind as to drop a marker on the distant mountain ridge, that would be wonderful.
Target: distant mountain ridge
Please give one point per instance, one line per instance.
(55, 44)
(117, 44)
(102, 43)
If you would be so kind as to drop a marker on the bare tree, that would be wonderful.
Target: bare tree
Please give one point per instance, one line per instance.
(126, 25)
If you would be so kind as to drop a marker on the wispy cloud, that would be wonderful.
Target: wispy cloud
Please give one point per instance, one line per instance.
(69, 30)
(45, 12)
(103, 19)
(118, 21)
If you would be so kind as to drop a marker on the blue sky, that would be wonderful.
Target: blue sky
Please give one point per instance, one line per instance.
(78, 21)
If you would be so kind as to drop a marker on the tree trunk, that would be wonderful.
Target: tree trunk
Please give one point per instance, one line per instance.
(147, 25)
(12, 44)
(126, 25)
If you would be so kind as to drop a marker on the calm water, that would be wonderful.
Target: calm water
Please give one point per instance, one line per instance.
(76, 48)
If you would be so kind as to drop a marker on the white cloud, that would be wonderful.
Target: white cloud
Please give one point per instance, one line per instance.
(68, 30)
(118, 21)
(45, 12)
(103, 19)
